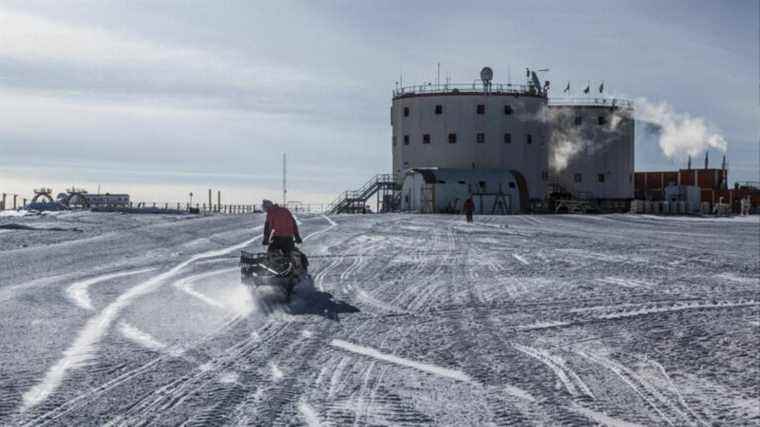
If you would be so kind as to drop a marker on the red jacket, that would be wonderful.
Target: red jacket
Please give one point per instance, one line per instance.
(280, 223)
(469, 206)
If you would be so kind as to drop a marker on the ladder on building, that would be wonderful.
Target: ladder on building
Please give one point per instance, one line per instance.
(384, 186)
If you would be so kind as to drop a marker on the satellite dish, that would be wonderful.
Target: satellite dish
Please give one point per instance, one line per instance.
(486, 75)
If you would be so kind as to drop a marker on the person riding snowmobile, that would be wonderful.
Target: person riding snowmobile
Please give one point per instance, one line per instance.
(280, 229)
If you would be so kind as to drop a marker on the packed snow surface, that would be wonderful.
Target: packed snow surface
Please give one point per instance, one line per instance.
(406, 320)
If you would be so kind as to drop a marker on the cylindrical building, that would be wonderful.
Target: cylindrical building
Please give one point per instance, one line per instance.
(591, 148)
(475, 126)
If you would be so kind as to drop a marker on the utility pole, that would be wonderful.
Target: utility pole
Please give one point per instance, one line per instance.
(284, 180)
(218, 200)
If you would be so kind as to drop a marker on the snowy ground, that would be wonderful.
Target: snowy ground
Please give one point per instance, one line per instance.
(134, 319)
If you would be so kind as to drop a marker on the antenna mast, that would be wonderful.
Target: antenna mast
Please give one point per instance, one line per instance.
(284, 180)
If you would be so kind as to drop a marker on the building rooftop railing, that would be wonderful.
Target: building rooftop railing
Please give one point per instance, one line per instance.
(476, 86)
(591, 102)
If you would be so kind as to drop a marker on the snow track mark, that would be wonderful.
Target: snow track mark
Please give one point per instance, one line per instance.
(309, 414)
(318, 232)
(424, 367)
(141, 338)
(521, 259)
(77, 292)
(567, 376)
(82, 349)
(666, 408)
(601, 418)
(185, 285)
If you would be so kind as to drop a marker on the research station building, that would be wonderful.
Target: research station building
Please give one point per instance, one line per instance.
(476, 139)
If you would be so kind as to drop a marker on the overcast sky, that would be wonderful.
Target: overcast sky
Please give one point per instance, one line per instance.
(160, 98)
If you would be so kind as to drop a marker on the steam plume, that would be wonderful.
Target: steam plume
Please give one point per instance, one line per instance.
(680, 133)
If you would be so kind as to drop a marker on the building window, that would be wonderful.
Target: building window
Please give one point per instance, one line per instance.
(394, 140)
(578, 120)
(602, 120)
(600, 177)
(578, 177)
(439, 109)
(452, 138)
(480, 138)
(481, 109)
(426, 138)
(482, 186)
(528, 138)
(507, 138)
(507, 110)
(406, 111)
(545, 175)
(511, 185)
(406, 139)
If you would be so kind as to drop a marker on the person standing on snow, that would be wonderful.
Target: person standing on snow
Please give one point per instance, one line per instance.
(468, 208)
(280, 228)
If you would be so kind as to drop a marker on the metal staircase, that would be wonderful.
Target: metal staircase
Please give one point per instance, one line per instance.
(383, 186)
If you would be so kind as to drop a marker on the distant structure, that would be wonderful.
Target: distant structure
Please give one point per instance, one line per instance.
(79, 198)
(107, 200)
(44, 195)
(712, 183)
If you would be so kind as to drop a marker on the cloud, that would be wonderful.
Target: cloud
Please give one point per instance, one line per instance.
(64, 60)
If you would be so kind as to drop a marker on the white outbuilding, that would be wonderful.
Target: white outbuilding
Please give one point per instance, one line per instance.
(444, 190)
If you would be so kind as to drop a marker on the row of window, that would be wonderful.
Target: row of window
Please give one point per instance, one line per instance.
(600, 120)
(480, 138)
(479, 109)
(579, 177)
(544, 176)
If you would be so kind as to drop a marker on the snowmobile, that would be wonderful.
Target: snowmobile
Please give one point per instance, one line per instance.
(273, 269)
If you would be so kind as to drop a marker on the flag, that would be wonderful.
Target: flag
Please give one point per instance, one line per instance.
(567, 89)
(601, 87)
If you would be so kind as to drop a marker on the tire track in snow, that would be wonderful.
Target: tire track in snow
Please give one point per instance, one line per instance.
(82, 400)
(83, 348)
(390, 358)
(320, 278)
(141, 338)
(185, 285)
(309, 414)
(602, 419)
(642, 388)
(521, 259)
(567, 376)
(173, 394)
(675, 390)
(275, 400)
(333, 224)
(78, 291)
